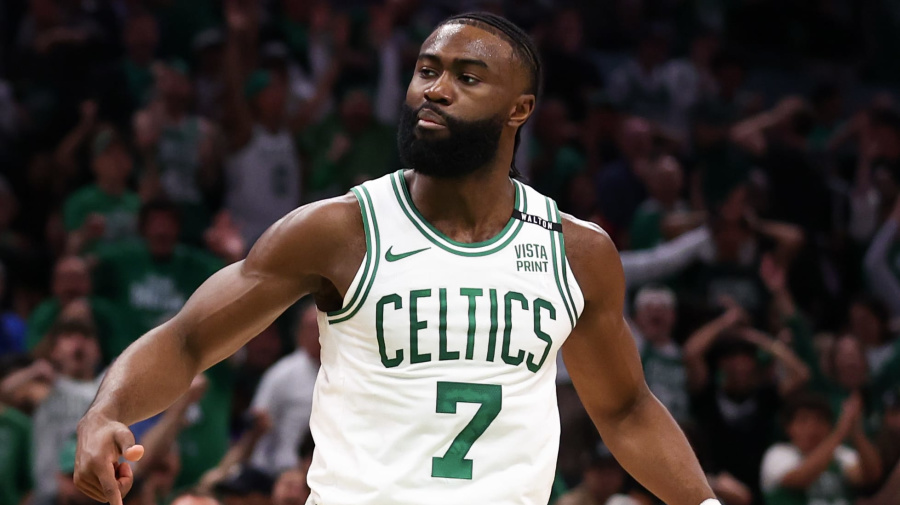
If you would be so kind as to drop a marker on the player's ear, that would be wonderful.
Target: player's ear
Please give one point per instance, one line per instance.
(522, 110)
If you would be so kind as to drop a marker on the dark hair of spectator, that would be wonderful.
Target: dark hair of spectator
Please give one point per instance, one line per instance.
(60, 328)
(523, 47)
(811, 402)
(158, 205)
(730, 344)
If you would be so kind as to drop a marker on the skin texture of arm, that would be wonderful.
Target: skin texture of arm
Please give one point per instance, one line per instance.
(603, 362)
(315, 249)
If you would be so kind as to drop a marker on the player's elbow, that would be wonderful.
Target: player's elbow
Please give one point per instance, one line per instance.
(630, 409)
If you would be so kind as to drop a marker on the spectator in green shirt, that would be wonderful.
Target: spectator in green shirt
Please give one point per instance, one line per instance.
(152, 277)
(348, 147)
(106, 210)
(71, 289)
(15, 455)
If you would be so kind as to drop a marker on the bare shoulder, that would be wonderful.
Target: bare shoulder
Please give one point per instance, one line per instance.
(593, 257)
(323, 238)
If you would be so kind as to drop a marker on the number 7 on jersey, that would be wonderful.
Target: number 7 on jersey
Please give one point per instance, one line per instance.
(453, 465)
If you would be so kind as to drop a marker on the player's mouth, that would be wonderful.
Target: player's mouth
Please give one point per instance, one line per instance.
(430, 120)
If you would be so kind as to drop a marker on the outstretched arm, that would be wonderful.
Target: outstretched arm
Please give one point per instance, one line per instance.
(878, 270)
(313, 245)
(603, 362)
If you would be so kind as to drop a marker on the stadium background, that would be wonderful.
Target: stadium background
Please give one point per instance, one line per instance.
(743, 154)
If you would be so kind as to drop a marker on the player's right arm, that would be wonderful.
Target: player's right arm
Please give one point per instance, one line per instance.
(315, 249)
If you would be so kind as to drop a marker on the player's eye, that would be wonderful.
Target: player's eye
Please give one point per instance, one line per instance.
(468, 79)
(427, 72)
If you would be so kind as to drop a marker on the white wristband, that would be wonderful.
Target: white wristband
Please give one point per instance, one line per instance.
(711, 501)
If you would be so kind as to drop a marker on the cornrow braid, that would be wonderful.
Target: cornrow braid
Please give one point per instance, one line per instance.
(523, 47)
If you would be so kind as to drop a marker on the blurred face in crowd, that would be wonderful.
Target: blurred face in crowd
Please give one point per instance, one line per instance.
(308, 333)
(807, 429)
(160, 231)
(190, 499)
(467, 85)
(666, 180)
(264, 350)
(71, 279)
(655, 315)
(653, 51)
(46, 13)
(567, 31)
(887, 139)
(164, 473)
(636, 139)
(76, 355)
(604, 480)
(703, 49)
(582, 196)
(356, 111)
(730, 77)
(552, 123)
(865, 325)
(741, 374)
(175, 88)
(290, 488)
(271, 101)
(850, 366)
(113, 166)
(141, 38)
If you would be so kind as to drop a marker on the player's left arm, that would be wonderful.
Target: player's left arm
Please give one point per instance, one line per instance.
(605, 367)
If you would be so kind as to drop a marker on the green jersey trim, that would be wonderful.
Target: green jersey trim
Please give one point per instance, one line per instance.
(373, 254)
(570, 310)
(498, 242)
(565, 271)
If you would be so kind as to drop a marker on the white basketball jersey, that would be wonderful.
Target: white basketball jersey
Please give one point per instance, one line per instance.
(437, 383)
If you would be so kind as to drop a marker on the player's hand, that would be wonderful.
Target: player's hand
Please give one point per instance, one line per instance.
(98, 473)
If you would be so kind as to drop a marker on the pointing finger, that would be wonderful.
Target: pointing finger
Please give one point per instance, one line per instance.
(111, 491)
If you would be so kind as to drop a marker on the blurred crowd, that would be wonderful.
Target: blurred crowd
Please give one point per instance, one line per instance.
(744, 155)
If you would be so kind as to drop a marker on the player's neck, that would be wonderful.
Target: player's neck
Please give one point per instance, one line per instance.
(472, 208)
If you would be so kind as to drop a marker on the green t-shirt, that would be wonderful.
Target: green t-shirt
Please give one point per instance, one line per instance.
(150, 291)
(15, 455)
(667, 378)
(204, 442)
(114, 334)
(120, 212)
(372, 154)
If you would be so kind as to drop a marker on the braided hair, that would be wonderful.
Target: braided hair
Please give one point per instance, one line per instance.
(523, 48)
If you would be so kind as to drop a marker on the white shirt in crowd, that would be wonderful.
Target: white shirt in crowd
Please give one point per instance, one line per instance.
(285, 392)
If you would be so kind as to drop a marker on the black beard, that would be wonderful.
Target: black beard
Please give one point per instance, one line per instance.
(469, 145)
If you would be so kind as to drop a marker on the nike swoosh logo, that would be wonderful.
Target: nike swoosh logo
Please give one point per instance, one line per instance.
(395, 257)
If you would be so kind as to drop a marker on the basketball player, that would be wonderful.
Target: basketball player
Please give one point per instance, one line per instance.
(445, 293)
